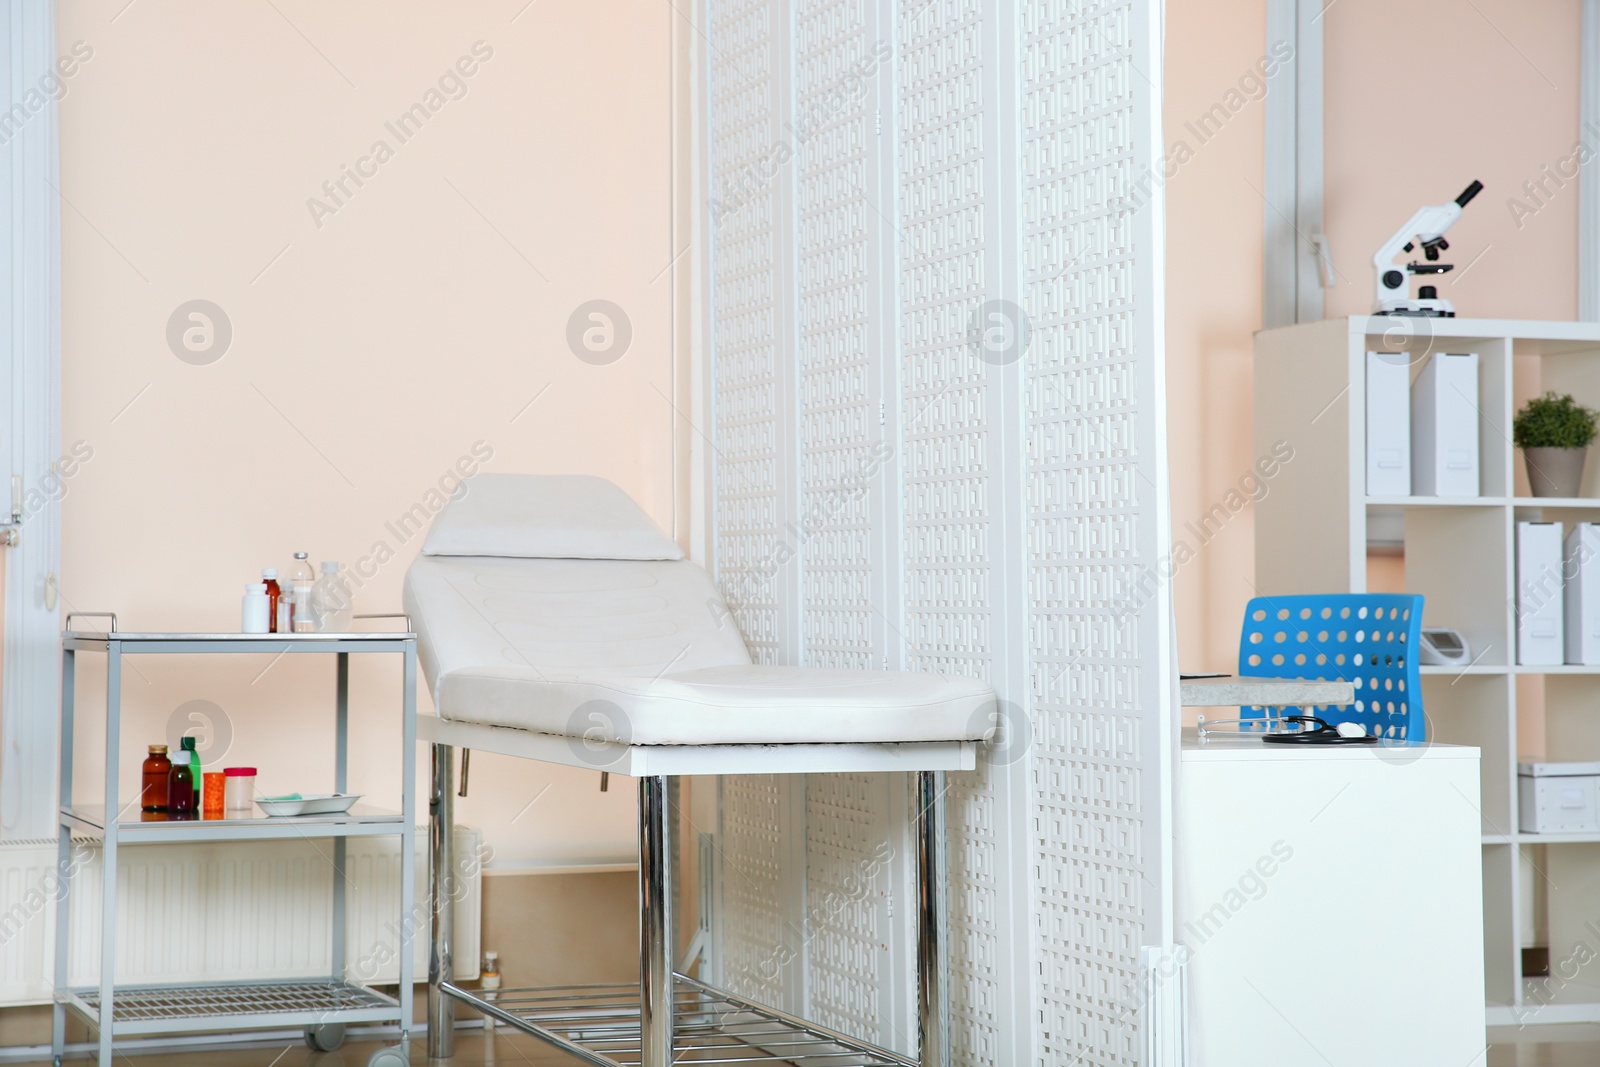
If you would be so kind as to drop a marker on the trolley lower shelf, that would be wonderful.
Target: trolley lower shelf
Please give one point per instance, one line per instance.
(600, 1025)
(215, 1007)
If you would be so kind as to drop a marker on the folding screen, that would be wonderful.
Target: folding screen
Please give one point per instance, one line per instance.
(938, 443)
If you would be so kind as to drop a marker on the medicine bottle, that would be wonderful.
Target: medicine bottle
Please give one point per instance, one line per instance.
(156, 770)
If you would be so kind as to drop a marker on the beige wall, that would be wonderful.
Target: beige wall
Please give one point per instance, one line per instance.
(1495, 98)
(1421, 98)
(1214, 220)
(373, 347)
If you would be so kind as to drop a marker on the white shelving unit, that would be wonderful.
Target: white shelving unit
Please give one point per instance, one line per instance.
(1312, 532)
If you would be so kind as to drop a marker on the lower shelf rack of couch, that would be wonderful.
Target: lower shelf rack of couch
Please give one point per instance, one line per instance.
(599, 1024)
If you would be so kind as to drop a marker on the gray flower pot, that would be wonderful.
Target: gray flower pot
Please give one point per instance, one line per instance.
(1555, 471)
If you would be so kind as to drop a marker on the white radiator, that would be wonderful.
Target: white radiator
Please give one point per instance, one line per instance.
(240, 910)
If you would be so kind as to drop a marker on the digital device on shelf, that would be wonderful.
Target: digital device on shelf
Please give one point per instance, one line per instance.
(1444, 647)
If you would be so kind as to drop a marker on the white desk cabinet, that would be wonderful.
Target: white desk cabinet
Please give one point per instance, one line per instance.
(1332, 904)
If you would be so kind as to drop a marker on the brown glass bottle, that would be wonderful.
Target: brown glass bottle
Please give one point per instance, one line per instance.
(269, 577)
(180, 792)
(157, 769)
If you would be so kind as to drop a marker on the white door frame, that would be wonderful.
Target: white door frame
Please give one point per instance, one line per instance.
(1294, 247)
(1588, 180)
(30, 232)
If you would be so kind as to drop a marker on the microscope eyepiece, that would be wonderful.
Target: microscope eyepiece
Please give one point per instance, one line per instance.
(1468, 193)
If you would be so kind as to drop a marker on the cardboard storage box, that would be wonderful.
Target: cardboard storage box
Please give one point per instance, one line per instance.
(1558, 798)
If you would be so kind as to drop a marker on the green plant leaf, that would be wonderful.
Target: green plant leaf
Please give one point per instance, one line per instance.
(1554, 420)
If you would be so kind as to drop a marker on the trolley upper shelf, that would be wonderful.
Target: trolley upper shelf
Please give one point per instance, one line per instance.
(98, 640)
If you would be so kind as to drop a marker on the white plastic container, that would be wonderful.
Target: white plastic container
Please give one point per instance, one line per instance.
(1558, 798)
(239, 793)
(257, 610)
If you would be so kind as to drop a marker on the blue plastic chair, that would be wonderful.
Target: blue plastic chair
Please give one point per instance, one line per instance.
(1367, 639)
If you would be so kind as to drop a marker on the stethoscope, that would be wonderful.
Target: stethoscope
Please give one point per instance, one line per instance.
(1314, 731)
(1324, 733)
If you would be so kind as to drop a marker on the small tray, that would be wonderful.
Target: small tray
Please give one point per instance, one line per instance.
(309, 804)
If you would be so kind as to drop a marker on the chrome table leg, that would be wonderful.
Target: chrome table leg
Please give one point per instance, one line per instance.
(441, 830)
(655, 923)
(933, 922)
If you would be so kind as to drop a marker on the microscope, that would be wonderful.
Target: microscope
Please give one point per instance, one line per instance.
(1427, 228)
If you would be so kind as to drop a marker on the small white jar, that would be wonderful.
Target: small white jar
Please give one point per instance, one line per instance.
(239, 792)
(257, 616)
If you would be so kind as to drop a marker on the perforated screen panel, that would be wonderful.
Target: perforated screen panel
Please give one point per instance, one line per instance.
(749, 354)
(941, 388)
(834, 130)
(955, 496)
(1084, 513)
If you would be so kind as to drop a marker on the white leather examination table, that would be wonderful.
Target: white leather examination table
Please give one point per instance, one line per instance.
(556, 623)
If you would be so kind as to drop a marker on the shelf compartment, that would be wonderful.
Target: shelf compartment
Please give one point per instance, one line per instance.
(1557, 839)
(1440, 502)
(235, 1006)
(1558, 503)
(600, 1024)
(362, 820)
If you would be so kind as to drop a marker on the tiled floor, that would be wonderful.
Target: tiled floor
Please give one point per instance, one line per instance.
(1569, 1047)
(473, 1049)
(1558, 1046)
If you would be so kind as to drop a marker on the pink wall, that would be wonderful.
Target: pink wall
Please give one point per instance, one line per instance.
(1424, 97)
(373, 348)
(1214, 220)
(1421, 98)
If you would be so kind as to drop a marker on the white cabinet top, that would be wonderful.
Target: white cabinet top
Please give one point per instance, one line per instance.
(1238, 748)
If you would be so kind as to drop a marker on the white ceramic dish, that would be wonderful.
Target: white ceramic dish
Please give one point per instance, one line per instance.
(310, 804)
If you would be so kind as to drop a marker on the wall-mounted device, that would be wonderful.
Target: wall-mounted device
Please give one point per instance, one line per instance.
(1426, 228)
(1443, 647)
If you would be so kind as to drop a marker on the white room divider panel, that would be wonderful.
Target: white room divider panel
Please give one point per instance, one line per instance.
(938, 437)
(960, 440)
(1097, 520)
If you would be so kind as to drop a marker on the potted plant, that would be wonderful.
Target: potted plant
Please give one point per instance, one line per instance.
(1554, 432)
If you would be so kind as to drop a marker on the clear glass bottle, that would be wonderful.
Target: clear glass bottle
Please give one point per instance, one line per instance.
(331, 601)
(302, 579)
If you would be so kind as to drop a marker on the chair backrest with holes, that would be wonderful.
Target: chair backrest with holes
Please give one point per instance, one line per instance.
(1367, 639)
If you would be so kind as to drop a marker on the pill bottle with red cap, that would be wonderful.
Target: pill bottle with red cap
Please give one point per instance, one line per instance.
(239, 794)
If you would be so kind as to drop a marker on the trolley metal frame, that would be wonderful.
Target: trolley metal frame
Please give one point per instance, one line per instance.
(215, 1007)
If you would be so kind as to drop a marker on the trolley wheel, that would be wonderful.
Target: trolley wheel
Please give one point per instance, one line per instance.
(325, 1037)
(392, 1056)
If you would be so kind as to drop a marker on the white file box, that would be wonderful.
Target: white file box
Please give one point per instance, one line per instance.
(1558, 798)
(1388, 424)
(1444, 427)
(1580, 567)
(1539, 595)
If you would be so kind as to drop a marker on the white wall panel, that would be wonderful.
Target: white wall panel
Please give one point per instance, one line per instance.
(953, 507)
